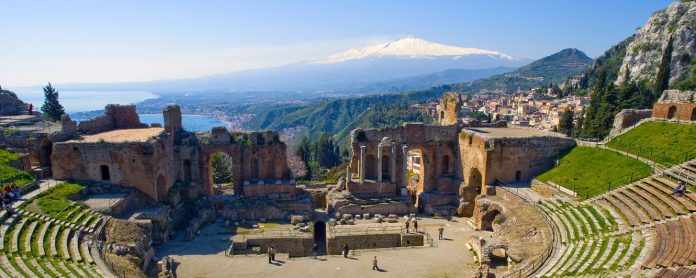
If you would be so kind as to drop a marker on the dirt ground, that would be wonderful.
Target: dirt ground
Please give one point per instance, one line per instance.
(123, 135)
(204, 257)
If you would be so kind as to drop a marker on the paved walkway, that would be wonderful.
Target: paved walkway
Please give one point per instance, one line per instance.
(43, 186)
(204, 257)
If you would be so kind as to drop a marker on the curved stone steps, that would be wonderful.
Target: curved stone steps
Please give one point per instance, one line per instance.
(640, 203)
(564, 259)
(650, 200)
(41, 271)
(84, 251)
(23, 267)
(627, 212)
(41, 237)
(589, 249)
(70, 269)
(690, 195)
(570, 227)
(3, 230)
(644, 216)
(678, 207)
(594, 224)
(585, 228)
(607, 255)
(53, 240)
(591, 259)
(688, 204)
(582, 251)
(27, 240)
(553, 260)
(75, 247)
(7, 265)
(48, 266)
(16, 232)
(65, 244)
(613, 260)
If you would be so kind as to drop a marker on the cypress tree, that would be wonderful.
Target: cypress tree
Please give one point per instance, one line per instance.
(565, 124)
(663, 72)
(51, 108)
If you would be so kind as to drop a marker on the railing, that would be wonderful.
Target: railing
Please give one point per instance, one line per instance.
(431, 241)
(611, 184)
(648, 153)
(531, 267)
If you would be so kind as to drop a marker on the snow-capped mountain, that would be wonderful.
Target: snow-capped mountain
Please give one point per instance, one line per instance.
(352, 70)
(411, 47)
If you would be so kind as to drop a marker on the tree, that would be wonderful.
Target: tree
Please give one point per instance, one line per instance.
(222, 167)
(663, 72)
(565, 124)
(51, 108)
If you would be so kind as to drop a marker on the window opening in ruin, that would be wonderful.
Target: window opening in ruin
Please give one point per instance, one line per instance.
(518, 176)
(487, 220)
(693, 114)
(105, 176)
(385, 168)
(320, 236)
(370, 167)
(221, 172)
(499, 258)
(670, 113)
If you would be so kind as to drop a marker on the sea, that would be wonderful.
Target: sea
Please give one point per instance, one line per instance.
(84, 101)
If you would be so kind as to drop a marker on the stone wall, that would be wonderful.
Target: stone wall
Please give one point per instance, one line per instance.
(629, 117)
(335, 243)
(371, 188)
(676, 105)
(448, 109)
(270, 191)
(294, 245)
(116, 116)
(485, 211)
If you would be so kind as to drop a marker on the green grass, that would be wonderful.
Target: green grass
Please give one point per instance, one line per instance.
(10, 174)
(589, 171)
(53, 202)
(600, 219)
(663, 142)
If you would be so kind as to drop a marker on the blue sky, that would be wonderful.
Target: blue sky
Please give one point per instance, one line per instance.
(115, 41)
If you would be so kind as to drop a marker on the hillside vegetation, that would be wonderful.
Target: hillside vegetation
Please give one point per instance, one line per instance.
(10, 174)
(592, 171)
(663, 142)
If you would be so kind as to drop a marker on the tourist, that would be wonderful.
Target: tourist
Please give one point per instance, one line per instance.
(17, 192)
(7, 188)
(270, 254)
(407, 224)
(345, 251)
(680, 189)
(314, 251)
(415, 225)
(374, 263)
(273, 252)
(440, 231)
(7, 203)
(31, 109)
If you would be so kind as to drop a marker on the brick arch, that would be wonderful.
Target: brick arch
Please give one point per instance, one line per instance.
(671, 112)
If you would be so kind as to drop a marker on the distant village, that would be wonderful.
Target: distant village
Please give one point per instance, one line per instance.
(539, 107)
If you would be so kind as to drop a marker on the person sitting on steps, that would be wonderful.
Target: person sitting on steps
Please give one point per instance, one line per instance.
(680, 189)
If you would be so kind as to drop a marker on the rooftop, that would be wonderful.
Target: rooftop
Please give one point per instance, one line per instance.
(121, 135)
(507, 132)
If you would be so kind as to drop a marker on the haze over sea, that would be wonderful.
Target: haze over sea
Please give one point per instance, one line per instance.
(81, 101)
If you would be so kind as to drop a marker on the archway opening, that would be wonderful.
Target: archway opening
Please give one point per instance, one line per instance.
(45, 155)
(671, 112)
(499, 258)
(320, 236)
(105, 175)
(475, 180)
(370, 167)
(693, 114)
(385, 168)
(442, 115)
(488, 218)
(220, 173)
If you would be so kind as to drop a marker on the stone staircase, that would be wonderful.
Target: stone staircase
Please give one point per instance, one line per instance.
(34, 245)
(637, 229)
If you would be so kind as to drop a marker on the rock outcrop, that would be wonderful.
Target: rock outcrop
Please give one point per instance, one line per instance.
(645, 52)
(10, 105)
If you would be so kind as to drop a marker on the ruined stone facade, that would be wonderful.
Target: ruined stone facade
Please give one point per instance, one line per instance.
(456, 163)
(117, 148)
(448, 109)
(676, 105)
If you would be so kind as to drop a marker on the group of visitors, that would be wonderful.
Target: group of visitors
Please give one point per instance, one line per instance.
(10, 193)
(415, 225)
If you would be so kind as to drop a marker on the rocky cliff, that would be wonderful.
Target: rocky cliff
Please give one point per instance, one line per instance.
(9, 103)
(644, 53)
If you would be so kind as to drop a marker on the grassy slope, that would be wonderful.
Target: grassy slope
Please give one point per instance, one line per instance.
(588, 170)
(7, 172)
(662, 142)
(53, 201)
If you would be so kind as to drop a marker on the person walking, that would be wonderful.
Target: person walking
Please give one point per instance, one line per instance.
(345, 250)
(415, 225)
(314, 251)
(440, 231)
(374, 263)
(408, 223)
(270, 256)
(273, 252)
